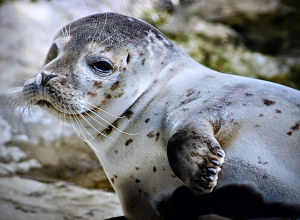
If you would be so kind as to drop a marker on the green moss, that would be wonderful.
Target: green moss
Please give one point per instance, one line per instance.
(179, 38)
(2, 2)
(230, 57)
(292, 79)
(156, 17)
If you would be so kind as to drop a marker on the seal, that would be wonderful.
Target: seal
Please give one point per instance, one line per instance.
(175, 138)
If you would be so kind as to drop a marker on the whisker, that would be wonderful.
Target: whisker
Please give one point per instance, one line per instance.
(85, 131)
(29, 109)
(78, 132)
(22, 112)
(78, 120)
(109, 37)
(95, 119)
(102, 110)
(74, 121)
(66, 31)
(62, 30)
(108, 122)
(64, 120)
(82, 116)
(69, 30)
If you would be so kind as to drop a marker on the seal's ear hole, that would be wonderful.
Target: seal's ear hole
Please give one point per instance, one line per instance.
(128, 58)
(53, 53)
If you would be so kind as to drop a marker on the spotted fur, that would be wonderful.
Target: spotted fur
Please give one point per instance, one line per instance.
(165, 127)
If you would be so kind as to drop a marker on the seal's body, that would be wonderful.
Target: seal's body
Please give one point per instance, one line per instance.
(163, 125)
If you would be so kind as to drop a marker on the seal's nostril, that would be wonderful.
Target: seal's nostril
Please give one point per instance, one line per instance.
(46, 77)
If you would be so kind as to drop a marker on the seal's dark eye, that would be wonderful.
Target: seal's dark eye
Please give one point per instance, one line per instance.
(53, 53)
(102, 68)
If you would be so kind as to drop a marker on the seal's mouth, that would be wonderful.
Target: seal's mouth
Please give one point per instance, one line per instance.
(44, 103)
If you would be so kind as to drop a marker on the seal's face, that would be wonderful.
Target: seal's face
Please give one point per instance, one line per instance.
(95, 64)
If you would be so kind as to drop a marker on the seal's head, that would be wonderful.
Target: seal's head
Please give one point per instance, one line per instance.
(104, 61)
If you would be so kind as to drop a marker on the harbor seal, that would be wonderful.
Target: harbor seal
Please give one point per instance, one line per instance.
(176, 139)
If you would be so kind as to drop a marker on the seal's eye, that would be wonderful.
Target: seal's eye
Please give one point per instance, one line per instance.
(102, 68)
(53, 53)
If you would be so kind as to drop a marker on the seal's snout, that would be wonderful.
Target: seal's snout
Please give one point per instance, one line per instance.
(45, 78)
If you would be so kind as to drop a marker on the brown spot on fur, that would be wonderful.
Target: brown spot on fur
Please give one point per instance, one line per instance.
(265, 176)
(190, 92)
(115, 85)
(184, 102)
(296, 126)
(173, 176)
(116, 151)
(92, 94)
(261, 115)
(289, 133)
(108, 130)
(157, 136)
(150, 134)
(268, 102)
(137, 181)
(128, 114)
(129, 141)
(140, 191)
(108, 96)
(141, 54)
(162, 63)
(104, 50)
(154, 169)
(119, 95)
(137, 168)
(261, 162)
(278, 111)
(143, 62)
(116, 176)
(147, 120)
(249, 94)
(98, 84)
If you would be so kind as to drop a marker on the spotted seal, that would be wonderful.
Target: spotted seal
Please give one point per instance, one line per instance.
(175, 138)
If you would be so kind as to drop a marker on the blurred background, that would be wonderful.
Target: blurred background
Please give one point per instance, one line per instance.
(46, 171)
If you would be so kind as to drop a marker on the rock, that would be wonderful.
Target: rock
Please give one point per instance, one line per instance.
(251, 38)
(28, 199)
(270, 26)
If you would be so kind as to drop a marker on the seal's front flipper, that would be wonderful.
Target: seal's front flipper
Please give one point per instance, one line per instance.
(195, 156)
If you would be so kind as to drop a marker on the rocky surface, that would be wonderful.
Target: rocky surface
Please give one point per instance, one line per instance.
(251, 38)
(28, 199)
